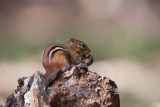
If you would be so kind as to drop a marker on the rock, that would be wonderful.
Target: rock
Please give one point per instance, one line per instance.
(74, 86)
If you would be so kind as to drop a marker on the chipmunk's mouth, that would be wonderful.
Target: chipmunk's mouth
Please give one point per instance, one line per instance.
(85, 56)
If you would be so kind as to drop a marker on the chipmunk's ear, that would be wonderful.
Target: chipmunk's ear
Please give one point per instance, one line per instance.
(71, 40)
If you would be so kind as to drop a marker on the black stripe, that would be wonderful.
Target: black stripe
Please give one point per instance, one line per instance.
(54, 51)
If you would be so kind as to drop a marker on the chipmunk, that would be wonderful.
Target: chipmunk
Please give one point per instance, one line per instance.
(58, 56)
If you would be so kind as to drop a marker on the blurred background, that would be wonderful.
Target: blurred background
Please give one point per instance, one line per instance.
(123, 36)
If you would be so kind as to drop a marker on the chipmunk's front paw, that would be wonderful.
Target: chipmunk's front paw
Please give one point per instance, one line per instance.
(87, 59)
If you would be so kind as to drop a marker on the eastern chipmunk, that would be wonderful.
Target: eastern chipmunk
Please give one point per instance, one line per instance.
(58, 56)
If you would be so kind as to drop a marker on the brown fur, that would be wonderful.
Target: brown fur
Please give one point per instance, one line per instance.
(65, 54)
(59, 61)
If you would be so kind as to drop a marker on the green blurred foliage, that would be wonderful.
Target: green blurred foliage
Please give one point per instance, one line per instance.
(118, 45)
(15, 49)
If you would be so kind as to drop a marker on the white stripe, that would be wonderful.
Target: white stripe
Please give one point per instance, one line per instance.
(53, 50)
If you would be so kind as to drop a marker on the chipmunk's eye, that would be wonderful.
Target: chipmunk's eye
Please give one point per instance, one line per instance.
(82, 45)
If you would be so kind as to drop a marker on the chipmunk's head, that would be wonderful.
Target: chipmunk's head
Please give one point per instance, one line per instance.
(78, 46)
